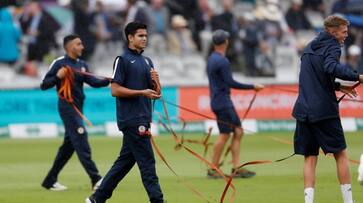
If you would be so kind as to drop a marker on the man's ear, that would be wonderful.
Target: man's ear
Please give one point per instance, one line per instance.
(66, 47)
(130, 38)
(331, 31)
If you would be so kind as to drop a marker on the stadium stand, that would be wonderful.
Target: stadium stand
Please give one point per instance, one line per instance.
(175, 70)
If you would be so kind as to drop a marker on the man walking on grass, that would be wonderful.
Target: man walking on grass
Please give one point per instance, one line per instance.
(133, 85)
(316, 110)
(220, 81)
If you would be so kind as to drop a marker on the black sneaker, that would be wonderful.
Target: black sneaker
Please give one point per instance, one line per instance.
(243, 173)
(213, 174)
(92, 199)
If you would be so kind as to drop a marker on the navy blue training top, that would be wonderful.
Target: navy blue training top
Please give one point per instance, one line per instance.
(132, 70)
(51, 79)
(220, 81)
(319, 68)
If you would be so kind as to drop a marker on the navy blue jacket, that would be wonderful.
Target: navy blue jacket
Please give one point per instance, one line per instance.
(319, 68)
(132, 70)
(220, 81)
(51, 79)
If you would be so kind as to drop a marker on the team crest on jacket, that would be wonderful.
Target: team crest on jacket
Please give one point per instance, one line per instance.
(80, 130)
(142, 129)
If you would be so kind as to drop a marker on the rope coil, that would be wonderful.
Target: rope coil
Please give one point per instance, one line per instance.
(65, 91)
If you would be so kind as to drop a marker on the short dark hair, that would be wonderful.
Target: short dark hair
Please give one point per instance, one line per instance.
(132, 27)
(69, 38)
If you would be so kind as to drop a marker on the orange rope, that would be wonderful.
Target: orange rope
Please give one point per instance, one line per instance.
(168, 128)
(65, 91)
(180, 144)
(162, 157)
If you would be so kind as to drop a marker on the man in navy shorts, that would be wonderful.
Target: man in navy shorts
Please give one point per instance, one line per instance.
(220, 81)
(316, 110)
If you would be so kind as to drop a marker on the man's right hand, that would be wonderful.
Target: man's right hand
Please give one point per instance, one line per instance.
(151, 94)
(348, 90)
(258, 87)
(361, 78)
(61, 73)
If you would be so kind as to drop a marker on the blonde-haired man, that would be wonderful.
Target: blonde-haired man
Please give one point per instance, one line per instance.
(316, 110)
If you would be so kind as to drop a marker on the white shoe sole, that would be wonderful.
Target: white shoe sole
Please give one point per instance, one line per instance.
(360, 171)
(58, 188)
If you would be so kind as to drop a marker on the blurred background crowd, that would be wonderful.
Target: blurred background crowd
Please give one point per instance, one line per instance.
(267, 36)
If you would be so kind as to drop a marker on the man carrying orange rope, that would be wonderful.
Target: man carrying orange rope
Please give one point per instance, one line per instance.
(316, 109)
(66, 74)
(220, 82)
(134, 84)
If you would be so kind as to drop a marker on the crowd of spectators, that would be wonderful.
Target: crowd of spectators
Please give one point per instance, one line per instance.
(31, 31)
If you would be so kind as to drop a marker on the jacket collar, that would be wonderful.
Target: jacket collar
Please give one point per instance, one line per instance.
(71, 59)
(133, 51)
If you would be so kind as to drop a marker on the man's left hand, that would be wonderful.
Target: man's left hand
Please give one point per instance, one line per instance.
(258, 87)
(154, 75)
(348, 90)
(155, 78)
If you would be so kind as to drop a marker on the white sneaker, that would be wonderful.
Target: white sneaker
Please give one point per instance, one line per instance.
(58, 187)
(87, 200)
(97, 185)
(91, 199)
(360, 170)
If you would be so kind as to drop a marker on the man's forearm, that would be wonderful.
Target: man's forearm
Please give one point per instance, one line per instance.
(120, 91)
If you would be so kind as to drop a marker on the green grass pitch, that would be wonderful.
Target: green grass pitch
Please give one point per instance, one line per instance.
(24, 163)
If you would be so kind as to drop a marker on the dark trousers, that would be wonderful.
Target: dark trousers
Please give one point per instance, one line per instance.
(136, 148)
(75, 139)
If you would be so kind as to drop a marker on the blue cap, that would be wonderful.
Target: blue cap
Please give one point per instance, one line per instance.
(220, 36)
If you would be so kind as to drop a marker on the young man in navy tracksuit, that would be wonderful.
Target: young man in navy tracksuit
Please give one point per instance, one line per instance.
(220, 81)
(75, 138)
(132, 86)
(316, 110)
